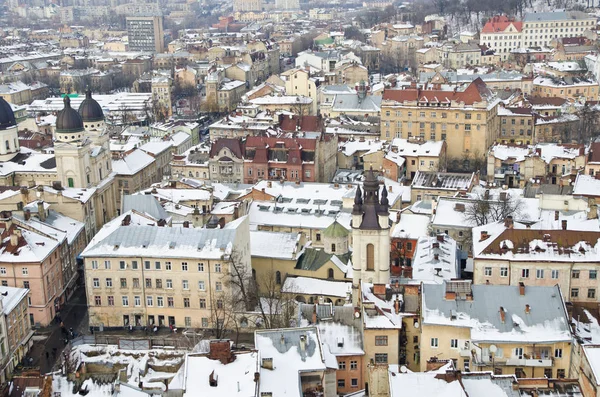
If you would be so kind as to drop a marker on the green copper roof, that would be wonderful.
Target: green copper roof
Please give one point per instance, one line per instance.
(335, 230)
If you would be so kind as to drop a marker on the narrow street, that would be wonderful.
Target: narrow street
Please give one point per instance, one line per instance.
(73, 314)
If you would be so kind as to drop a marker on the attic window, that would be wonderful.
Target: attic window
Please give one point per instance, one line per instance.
(302, 201)
(337, 203)
(333, 213)
(285, 200)
(319, 202)
(305, 210)
(291, 209)
(172, 245)
(263, 207)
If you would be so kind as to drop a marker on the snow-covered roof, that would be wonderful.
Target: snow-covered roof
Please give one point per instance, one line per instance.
(349, 148)
(343, 340)
(384, 316)
(292, 351)
(435, 260)
(314, 286)
(162, 242)
(592, 353)
(411, 226)
(586, 185)
(424, 384)
(132, 163)
(36, 249)
(537, 316)
(234, 378)
(281, 100)
(178, 195)
(156, 147)
(422, 149)
(280, 245)
(10, 297)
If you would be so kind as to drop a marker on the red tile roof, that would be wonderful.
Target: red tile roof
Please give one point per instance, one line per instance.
(231, 143)
(500, 23)
(306, 123)
(472, 94)
(594, 154)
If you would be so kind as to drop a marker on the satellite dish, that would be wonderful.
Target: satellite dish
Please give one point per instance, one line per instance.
(403, 369)
(493, 348)
(416, 324)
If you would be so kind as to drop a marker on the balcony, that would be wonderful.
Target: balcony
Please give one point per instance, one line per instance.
(504, 171)
(529, 362)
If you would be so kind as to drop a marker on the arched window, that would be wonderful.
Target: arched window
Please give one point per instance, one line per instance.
(332, 247)
(278, 278)
(330, 273)
(370, 257)
(71, 182)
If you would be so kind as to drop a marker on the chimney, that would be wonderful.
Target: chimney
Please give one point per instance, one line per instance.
(521, 289)
(257, 376)
(390, 188)
(556, 215)
(508, 222)
(267, 363)
(564, 224)
(484, 235)
(27, 215)
(398, 214)
(527, 309)
(314, 315)
(397, 305)
(220, 350)
(269, 184)
(502, 314)
(440, 238)
(126, 221)
(436, 257)
(41, 211)
(450, 295)
(593, 209)
(302, 343)
(213, 380)
(14, 237)
(186, 224)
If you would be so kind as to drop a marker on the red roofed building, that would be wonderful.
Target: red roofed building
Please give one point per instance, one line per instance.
(502, 34)
(467, 120)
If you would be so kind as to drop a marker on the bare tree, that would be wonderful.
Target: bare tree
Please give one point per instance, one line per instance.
(276, 308)
(485, 209)
(242, 281)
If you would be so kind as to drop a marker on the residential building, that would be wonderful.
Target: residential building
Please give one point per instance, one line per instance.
(452, 328)
(298, 356)
(435, 260)
(145, 33)
(15, 329)
(145, 275)
(429, 185)
(226, 161)
(539, 28)
(133, 172)
(248, 5)
(419, 155)
(565, 87)
(467, 119)
(502, 34)
(408, 229)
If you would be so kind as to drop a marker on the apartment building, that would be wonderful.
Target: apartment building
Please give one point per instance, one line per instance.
(145, 275)
(502, 34)
(15, 329)
(145, 33)
(508, 253)
(467, 120)
(496, 328)
(565, 87)
(540, 28)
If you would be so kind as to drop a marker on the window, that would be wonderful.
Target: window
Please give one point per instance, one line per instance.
(149, 301)
(125, 300)
(381, 340)
(157, 265)
(185, 284)
(591, 293)
(160, 301)
(560, 373)
(519, 352)
(539, 273)
(148, 283)
(188, 322)
(109, 283)
(169, 284)
(434, 342)
(134, 265)
(111, 300)
(219, 303)
(204, 322)
(25, 271)
(186, 302)
(454, 343)
(147, 265)
(158, 283)
(353, 365)
(504, 272)
(170, 301)
(184, 266)
(557, 353)
(488, 271)
(342, 365)
(200, 267)
(107, 265)
(218, 286)
(217, 268)
(123, 283)
(554, 274)
(574, 292)
(341, 383)
(122, 265)
(575, 274)
(593, 274)
(201, 285)
(318, 236)
(98, 300)
(202, 303)
(278, 277)
(381, 358)
(524, 273)
(370, 257)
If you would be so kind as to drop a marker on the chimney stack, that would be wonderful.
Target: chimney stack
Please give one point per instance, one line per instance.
(502, 314)
(397, 305)
(41, 211)
(508, 222)
(564, 224)
(440, 238)
(27, 215)
(527, 309)
(436, 257)
(484, 235)
(314, 315)
(556, 215)
(302, 343)
(521, 289)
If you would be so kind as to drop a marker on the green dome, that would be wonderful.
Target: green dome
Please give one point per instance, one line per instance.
(335, 230)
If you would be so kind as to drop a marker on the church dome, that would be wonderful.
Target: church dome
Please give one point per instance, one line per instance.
(90, 110)
(7, 116)
(68, 119)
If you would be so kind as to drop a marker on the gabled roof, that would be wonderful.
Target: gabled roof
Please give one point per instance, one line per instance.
(476, 91)
(233, 144)
(500, 24)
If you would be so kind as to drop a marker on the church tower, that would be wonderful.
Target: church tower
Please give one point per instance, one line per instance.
(370, 235)
(9, 138)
